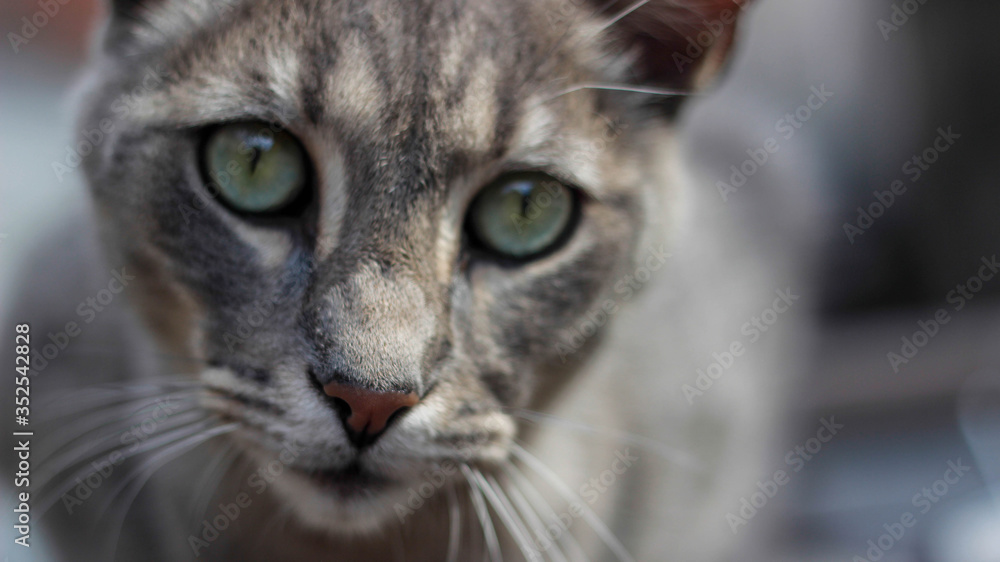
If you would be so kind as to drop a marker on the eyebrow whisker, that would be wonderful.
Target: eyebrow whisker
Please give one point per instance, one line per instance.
(619, 88)
(624, 13)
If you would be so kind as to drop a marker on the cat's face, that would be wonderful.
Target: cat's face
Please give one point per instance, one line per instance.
(384, 209)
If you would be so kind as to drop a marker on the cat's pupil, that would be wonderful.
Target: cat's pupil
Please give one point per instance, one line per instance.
(254, 159)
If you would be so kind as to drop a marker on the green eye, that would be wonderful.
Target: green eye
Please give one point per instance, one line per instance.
(257, 170)
(522, 215)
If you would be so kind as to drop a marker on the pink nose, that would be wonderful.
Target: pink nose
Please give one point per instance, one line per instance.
(370, 410)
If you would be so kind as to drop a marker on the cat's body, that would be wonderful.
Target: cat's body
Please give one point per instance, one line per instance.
(406, 110)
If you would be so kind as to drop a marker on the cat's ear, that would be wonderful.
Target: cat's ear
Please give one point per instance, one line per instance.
(124, 17)
(681, 44)
(129, 8)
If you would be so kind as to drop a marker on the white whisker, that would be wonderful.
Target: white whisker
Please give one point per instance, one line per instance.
(624, 13)
(489, 532)
(523, 542)
(150, 466)
(399, 545)
(545, 510)
(619, 88)
(90, 349)
(589, 516)
(521, 523)
(163, 440)
(532, 519)
(86, 424)
(454, 524)
(209, 483)
(97, 446)
(660, 449)
(102, 398)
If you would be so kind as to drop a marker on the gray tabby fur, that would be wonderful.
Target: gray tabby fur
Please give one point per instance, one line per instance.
(406, 109)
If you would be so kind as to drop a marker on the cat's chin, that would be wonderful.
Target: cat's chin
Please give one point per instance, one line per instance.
(344, 502)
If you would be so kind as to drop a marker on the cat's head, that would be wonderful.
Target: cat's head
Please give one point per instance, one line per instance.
(379, 225)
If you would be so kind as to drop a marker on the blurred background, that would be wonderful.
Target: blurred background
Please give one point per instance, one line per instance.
(899, 165)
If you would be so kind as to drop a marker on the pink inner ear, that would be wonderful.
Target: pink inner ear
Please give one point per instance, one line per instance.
(676, 39)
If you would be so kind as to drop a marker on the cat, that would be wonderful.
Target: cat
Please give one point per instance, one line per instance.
(387, 279)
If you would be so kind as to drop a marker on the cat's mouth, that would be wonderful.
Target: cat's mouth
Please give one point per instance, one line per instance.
(352, 481)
